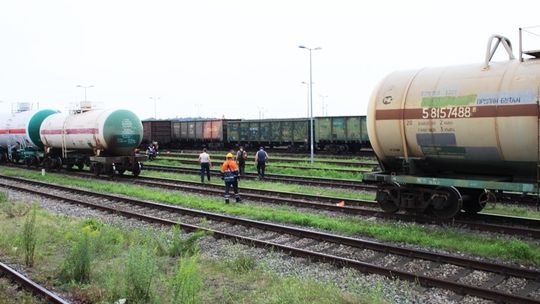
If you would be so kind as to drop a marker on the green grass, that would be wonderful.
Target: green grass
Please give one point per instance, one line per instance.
(295, 188)
(272, 170)
(125, 267)
(511, 210)
(441, 238)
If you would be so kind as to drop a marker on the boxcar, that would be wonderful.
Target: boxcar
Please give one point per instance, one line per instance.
(196, 133)
(269, 132)
(157, 130)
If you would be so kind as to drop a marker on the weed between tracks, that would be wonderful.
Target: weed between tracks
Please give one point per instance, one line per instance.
(441, 238)
(130, 263)
(341, 193)
(274, 170)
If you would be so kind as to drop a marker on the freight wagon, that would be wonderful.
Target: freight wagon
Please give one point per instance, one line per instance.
(334, 134)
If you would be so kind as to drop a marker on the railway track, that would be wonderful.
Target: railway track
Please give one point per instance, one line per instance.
(279, 153)
(446, 271)
(302, 180)
(249, 163)
(481, 222)
(353, 163)
(30, 285)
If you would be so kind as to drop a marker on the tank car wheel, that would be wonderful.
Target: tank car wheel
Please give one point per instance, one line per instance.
(29, 161)
(47, 163)
(474, 200)
(447, 205)
(385, 199)
(136, 170)
(80, 165)
(96, 169)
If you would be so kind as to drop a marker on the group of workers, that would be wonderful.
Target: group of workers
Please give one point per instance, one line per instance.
(233, 168)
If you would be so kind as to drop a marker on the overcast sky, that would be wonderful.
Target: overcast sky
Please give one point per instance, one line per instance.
(238, 59)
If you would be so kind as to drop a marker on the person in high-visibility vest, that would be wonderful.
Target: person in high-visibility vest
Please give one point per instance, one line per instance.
(229, 173)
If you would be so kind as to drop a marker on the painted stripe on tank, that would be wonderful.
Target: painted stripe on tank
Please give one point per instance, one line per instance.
(70, 131)
(12, 131)
(458, 112)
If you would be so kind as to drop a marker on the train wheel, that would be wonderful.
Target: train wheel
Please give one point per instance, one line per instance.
(385, 198)
(136, 170)
(474, 200)
(446, 203)
(47, 163)
(96, 169)
(80, 164)
(28, 161)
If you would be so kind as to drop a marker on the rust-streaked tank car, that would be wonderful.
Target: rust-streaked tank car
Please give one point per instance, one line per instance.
(453, 138)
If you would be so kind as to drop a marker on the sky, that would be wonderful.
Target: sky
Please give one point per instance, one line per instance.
(236, 58)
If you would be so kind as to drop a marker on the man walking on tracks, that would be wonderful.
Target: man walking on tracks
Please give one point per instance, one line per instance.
(241, 157)
(261, 157)
(206, 163)
(229, 173)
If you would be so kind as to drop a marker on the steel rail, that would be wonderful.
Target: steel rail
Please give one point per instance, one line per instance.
(318, 256)
(30, 285)
(314, 181)
(529, 227)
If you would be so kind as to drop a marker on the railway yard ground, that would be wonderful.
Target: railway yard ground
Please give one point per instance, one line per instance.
(88, 255)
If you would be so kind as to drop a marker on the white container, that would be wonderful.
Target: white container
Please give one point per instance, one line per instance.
(105, 132)
(21, 130)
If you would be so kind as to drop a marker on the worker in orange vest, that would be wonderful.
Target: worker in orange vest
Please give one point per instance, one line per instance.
(229, 173)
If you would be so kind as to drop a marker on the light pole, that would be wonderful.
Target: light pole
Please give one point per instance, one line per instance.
(307, 86)
(155, 99)
(85, 87)
(310, 98)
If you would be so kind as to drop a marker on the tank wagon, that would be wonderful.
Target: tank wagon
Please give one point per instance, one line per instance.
(334, 134)
(104, 140)
(19, 136)
(452, 138)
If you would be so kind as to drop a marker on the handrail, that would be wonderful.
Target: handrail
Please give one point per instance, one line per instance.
(490, 51)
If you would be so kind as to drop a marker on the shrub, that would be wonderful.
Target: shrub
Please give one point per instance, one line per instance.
(184, 247)
(187, 282)
(29, 237)
(77, 264)
(140, 270)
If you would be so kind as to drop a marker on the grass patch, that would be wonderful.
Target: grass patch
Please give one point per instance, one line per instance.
(126, 268)
(441, 238)
(512, 210)
(29, 237)
(273, 170)
(256, 184)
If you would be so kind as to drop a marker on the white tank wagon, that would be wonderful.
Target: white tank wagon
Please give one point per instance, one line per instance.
(19, 136)
(451, 138)
(105, 140)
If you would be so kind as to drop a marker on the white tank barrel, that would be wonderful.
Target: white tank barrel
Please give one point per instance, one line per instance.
(112, 132)
(21, 130)
(469, 118)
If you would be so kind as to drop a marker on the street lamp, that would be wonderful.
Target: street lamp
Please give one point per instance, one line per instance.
(310, 97)
(307, 86)
(155, 99)
(85, 87)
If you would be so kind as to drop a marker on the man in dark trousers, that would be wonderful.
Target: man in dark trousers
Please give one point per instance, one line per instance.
(229, 174)
(241, 157)
(206, 164)
(261, 157)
